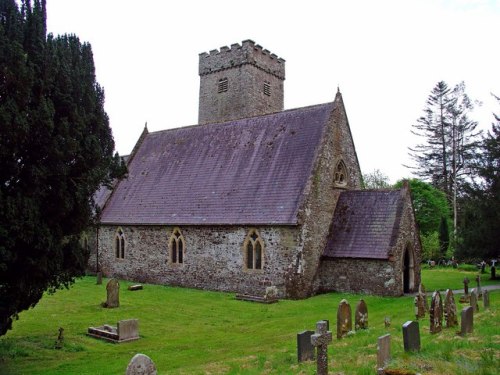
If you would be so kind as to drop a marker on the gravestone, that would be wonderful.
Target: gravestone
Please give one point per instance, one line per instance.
(421, 291)
(387, 322)
(344, 319)
(113, 292)
(126, 330)
(320, 340)
(141, 364)
(478, 281)
(466, 286)
(135, 287)
(486, 299)
(450, 310)
(473, 301)
(411, 336)
(419, 306)
(436, 313)
(60, 339)
(99, 278)
(383, 351)
(467, 320)
(305, 350)
(493, 271)
(361, 315)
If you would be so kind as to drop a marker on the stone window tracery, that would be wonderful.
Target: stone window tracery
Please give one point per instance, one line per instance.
(120, 244)
(253, 248)
(177, 247)
(340, 176)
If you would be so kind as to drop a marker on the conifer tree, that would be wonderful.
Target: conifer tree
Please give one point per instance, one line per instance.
(56, 148)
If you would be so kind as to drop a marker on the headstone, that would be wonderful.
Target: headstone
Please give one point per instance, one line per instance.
(478, 281)
(60, 339)
(361, 315)
(411, 336)
(473, 301)
(344, 319)
(419, 306)
(450, 310)
(113, 291)
(305, 350)
(128, 329)
(467, 320)
(421, 290)
(493, 271)
(327, 324)
(486, 299)
(387, 322)
(483, 266)
(383, 351)
(141, 364)
(436, 313)
(99, 278)
(321, 339)
(466, 286)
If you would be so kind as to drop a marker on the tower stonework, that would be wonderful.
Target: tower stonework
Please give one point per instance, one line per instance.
(238, 82)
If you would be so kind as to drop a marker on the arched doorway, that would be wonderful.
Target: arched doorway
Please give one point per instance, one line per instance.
(408, 270)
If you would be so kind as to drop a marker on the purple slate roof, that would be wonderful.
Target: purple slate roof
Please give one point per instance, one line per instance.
(365, 224)
(248, 171)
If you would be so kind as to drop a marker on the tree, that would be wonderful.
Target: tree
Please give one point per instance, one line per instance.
(375, 180)
(479, 233)
(444, 236)
(446, 158)
(56, 148)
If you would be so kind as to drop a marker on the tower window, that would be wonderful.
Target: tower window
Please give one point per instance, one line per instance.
(222, 87)
(267, 88)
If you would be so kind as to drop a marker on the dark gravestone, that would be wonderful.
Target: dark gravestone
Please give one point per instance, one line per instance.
(60, 339)
(467, 320)
(436, 313)
(486, 299)
(383, 351)
(493, 271)
(99, 278)
(411, 336)
(113, 290)
(478, 281)
(321, 339)
(450, 310)
(466, 286)
(141, 364)
(361, 315)
(473, 301)
(305, 350)
(344, 319)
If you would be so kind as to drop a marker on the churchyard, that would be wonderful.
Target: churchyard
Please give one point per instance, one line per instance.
(187, 331)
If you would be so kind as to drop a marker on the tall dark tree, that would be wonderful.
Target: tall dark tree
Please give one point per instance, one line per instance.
(444, 236)
(451, 140)
(479, 233)
(56, 148)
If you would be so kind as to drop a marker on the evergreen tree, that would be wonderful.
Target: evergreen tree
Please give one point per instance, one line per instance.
(444, 236)
(56, 148)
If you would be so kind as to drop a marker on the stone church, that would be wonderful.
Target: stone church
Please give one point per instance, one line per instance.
(255, 196)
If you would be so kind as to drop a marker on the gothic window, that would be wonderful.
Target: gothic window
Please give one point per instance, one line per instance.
(223, 84)
(253, 251)
(267, 88)
(177, 247)
(119, 244)
(340, 177)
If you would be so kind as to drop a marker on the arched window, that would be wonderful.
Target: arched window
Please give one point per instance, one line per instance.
(177, 247)
(119, 244)
(253, 250)
(340, 177)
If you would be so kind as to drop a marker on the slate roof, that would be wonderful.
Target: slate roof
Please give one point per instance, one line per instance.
(365, 224)
(248, 171)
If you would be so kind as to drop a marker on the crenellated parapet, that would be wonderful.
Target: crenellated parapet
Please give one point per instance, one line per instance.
(236, 55)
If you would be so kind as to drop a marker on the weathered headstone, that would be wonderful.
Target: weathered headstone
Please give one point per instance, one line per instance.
(113, 292)
(467, 320)
(450, 310)
(60, 339)
(305, 349)
(436, 313)
(383, 351)
(141, 364)
(486, 299)
(478, 281)
(126, 330)
(419, 306)
(493, 271)
(466, 286)
(344, 319)
(421, 291)
(387, 322)
(361, 315)
(411, 336)
(473, 301)
(320, 340)
(99, 278)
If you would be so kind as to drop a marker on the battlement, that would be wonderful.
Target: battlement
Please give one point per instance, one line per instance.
(236, 55)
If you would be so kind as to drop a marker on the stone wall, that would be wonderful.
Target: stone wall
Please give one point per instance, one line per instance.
(213, 257)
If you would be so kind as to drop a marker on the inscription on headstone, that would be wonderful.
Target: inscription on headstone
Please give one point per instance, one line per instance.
(436, 313)
(344, 319)
(305, 349)
(383, 351)
(320, 340)
(473, 301)
(141, 364)
(411, 336)
(361, 315)
(450, 310)
(467, 320)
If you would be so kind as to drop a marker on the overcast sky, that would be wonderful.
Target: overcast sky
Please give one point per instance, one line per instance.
(385, 56)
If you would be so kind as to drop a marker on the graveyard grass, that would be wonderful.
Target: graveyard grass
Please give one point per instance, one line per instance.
(189, 331)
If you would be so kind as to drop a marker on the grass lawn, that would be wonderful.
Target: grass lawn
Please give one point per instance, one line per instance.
(442, 278)
(189, 331)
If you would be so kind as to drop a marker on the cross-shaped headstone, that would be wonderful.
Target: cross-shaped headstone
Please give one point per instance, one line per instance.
(321, 339)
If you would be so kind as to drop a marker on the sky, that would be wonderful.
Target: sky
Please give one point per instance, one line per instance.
(385, 57)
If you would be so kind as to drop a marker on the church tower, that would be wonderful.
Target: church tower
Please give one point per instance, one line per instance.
(242, 81)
